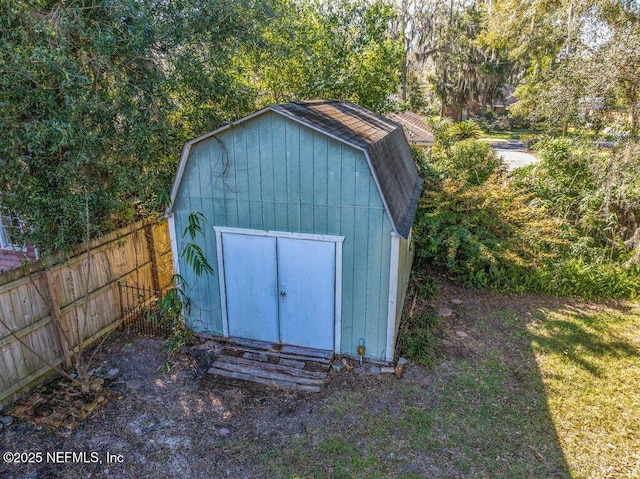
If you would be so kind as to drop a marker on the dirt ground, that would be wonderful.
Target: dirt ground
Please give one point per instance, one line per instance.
(187, 423)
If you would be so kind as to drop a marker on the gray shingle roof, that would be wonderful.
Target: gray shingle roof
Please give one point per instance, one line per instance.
(384, 143)
(415, 127)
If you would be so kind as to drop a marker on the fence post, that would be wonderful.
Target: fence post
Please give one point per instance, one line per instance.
(57, 318)
(155, 276)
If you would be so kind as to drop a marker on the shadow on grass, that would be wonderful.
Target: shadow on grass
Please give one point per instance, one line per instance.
(490, 401)
(579, 337)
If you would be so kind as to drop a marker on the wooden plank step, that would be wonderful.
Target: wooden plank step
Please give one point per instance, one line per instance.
(255, 356)
(267, 381)
(282, 348)
(297, 372)
(276, 354)
(257, 372)
(293, 363)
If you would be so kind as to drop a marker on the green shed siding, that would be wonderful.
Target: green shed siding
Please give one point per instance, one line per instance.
(272, 173)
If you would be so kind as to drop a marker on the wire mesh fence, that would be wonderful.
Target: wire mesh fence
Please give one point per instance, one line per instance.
(141, 312)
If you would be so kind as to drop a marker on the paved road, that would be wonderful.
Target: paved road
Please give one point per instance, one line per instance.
(514, 153)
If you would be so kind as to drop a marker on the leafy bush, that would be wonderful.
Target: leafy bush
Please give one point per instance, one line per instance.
(427, 288)
(472, 161)
(597, 193)
(486, 235)
(590, 280)
(441, 128)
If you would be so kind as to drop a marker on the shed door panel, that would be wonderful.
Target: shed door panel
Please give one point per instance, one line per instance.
(306, 273)
(251, 271)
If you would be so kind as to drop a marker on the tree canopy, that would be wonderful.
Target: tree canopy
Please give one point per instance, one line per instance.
(98, 96)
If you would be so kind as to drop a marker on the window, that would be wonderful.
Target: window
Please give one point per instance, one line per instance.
(9, 224)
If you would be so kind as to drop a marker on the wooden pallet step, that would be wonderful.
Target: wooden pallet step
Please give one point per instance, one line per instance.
(277, 354)
(293, 363)
(255, 356)
(258, 372)
(267, 381)
(274, 358)
(296, 372)
(282, 348)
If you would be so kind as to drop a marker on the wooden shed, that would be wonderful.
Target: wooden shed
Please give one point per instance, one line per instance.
(309, 207)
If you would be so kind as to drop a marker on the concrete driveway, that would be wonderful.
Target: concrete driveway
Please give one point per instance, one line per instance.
(514, 153)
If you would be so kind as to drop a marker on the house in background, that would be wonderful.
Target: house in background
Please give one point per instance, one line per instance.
(309, 207)
(416, 129)
(13, 255)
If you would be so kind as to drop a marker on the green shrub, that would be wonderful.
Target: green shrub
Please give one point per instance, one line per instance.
(486, 235)
(472, 161)
(442, 129)
(419, 341)
(590, 280)
(465, 130)
(427, 288)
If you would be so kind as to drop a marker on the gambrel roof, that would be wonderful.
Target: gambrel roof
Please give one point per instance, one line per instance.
(382, 140)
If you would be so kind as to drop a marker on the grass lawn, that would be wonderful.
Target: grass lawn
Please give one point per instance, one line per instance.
(527, 387)
(514, 134)
(589, 361)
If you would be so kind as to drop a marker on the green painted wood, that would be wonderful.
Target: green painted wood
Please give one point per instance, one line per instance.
(404, 273)
(282, 217)
(385, 264)
(348, 176)
(274, 174)
(373, 312)
(280, 161)
(231, 213)
(306, 218)
(361, 281)
(349, 309)
(293, 160)
(334, 172)
(293, 216)
(363, 182)
(253, 146)
(266, 159)
(333, 220)
(244, 213)
(320, 167)
(241, 164)
(306, 166)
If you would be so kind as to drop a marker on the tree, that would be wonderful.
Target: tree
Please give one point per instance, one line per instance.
(83, 110)
(338, 50)
(444, 42)
(98, 98)
(581, 57)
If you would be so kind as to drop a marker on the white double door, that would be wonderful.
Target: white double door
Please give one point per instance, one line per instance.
(280, 289)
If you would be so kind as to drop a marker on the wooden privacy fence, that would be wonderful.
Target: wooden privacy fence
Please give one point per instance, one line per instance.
(83, 291)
